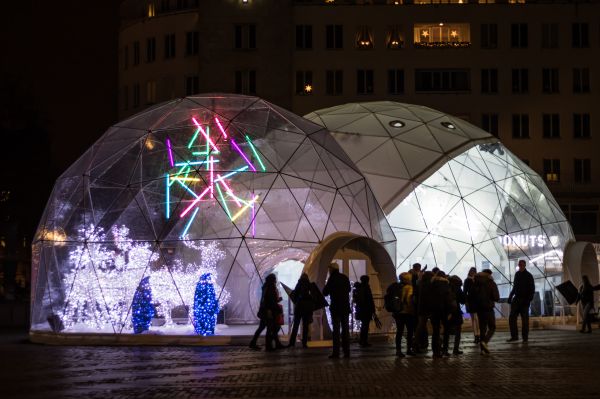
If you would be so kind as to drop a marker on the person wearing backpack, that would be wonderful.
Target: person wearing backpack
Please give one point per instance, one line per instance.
(485, 294)
(365, 308)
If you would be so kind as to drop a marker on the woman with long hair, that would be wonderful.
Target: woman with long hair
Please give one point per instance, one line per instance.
(268, 312)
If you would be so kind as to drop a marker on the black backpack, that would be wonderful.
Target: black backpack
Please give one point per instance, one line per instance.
(392, 300)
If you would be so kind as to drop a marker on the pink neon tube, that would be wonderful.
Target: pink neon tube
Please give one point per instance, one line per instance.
(212, 179)
(220, 127)
(205, 135)
(229, 191)
(170, 153)
(243, 155)
(194, 202)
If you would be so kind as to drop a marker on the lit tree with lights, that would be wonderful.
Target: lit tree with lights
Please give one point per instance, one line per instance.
(141, 308)
(206, 306)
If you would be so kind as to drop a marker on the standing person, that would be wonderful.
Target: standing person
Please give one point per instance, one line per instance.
(440, 305)
(586, 296)
(485, 294)
(423, 308)
(401, 305)
(470, 304)
(304, 305)
(454, 323)
(268, 312)
(519, 298)
(337, 288)
(365, 308)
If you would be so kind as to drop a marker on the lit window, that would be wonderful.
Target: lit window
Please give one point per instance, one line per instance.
(151, 10)
(304, 82)
(364, 38)
(393, 38)
(442, 35)
(552, 170)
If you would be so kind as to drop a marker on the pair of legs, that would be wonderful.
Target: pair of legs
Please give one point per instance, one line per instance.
(306, 319)
(364, 332)
(421, 336)
(340, 324)
(587, 317)
(455, 325)
(402, 320)
(436, 343)
(261, 326)
(475, 326)
(487, 325)
(272, 336)
(519, 308)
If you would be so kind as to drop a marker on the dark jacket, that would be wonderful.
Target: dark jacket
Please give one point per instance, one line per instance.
(363, 298)
(523, 287)
(484, 293)
(304, 301)
(338, 290)
(466, 289)
(586, 293)
(439, 300)
(457, 298)
(424, 295)
(269, 303)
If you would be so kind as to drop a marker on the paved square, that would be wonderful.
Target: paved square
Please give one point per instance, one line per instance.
(554, 364)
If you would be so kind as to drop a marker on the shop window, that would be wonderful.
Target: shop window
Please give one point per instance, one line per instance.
(304, 82)
(551, 170)
(520, 80)
(581, 80)
(551, 126)
(442, 80)
(581, 126)
(520, 126)
(334, 83)
(393, 38)
(364, 38)
(442, 35)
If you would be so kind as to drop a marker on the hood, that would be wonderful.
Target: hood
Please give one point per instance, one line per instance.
(406, 278)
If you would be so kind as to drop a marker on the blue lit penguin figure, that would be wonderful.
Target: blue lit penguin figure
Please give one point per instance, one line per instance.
(206, 306)
(142, 308)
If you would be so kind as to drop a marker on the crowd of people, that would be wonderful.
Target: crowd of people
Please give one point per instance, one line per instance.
(419, 297)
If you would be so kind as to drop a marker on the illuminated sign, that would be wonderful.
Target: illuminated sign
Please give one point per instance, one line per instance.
(513, 241)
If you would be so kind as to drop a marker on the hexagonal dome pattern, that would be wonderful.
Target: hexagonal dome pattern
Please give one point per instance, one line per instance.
(453, 194)
(220, 184)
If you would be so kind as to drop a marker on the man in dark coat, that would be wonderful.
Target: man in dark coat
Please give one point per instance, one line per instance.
(304, 304)
(519, 298)
(439, 308)
(338, 290)
(365, 308)
(485, 295)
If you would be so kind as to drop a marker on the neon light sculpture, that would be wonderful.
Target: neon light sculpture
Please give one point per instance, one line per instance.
(202, 152)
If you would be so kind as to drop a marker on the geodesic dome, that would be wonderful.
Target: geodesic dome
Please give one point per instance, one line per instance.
(453, 194)
(221, 186)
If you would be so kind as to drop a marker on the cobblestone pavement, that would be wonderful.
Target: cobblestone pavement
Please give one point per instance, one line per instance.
(554, 364)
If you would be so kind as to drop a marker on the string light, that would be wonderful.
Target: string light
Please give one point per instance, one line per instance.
(142, 308)
(206, 306)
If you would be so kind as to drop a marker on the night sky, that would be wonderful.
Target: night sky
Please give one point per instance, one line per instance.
(58, 93)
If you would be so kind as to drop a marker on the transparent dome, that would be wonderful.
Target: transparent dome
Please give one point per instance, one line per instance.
(225, 187)
(453, 194)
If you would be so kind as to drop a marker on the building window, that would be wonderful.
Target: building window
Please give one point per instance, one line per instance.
(395, 81)
(489, 81)
(552, 170)
(150, 49)
(489, 36)
(443, 80)
(549, 35)
(520, 126)
(334, 81)
(170, 46)
(192, 85)
(334, 37)
(364, 38)
(191, 43)
(489, 123)
(551, 126)
(150, 92)
(583, 171)
(581, 126)
(550, 80)
(580, 35)
(245, 82)
(304, 82)
(165, 6)
(518, 36)
(136, 95)
(125, 98)
(136, 53)
(303, 37)
(520, 80)
(245, 36)
(364, 81)
(442, 35)
(393, 38)
(126, 57)
(581, 80)
(583, 218)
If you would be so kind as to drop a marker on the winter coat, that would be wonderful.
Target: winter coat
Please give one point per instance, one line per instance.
(269, 303)
(440, 296)
(484, 293)
(457, 298)
(304, 301)
(338, 289)
(586, 293)
(523, 287)
(363, 298)
(424, 303)
(466, 289)
(408, 306)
